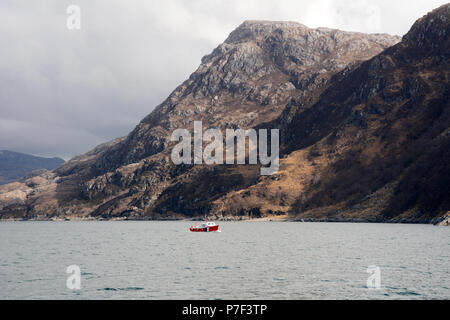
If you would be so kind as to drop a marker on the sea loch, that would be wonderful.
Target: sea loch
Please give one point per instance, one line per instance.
(248, 260)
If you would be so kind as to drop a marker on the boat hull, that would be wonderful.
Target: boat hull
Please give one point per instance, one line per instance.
(205, 229)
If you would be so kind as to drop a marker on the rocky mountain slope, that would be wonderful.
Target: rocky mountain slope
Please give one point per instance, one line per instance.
(375, 145)
(363, 121)
(15, 165)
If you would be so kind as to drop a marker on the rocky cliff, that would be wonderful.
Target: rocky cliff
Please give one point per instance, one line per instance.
(363, 121)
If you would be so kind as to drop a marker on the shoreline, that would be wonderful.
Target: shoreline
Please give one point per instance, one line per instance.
(443, 222)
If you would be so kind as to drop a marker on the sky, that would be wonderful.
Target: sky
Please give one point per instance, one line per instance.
(63, 91)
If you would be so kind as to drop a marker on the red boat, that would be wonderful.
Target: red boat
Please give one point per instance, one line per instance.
(205, 227)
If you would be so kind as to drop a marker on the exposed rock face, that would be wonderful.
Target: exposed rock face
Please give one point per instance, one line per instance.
(342, 108)
(248, 80)
(445, 221)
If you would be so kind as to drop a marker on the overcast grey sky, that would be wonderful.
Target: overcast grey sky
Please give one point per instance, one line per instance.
(63, 91)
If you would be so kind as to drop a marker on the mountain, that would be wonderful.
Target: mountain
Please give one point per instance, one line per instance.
(15, 165)
(375, 146)
(364, 134)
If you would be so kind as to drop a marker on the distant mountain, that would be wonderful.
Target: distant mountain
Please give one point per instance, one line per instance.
(15, 165)
(364, 122)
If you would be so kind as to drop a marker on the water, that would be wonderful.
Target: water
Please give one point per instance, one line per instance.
(248, 260)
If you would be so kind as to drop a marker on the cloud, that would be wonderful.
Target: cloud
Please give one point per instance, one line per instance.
(64, 91)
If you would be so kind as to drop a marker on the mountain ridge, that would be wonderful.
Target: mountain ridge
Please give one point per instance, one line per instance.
(264, 78)
(16, 165)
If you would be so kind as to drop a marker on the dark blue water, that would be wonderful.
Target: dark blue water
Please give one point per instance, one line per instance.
(248, 260)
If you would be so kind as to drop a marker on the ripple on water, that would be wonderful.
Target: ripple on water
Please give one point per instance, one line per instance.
(122, 289)
(279, 279)
(408, 293)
